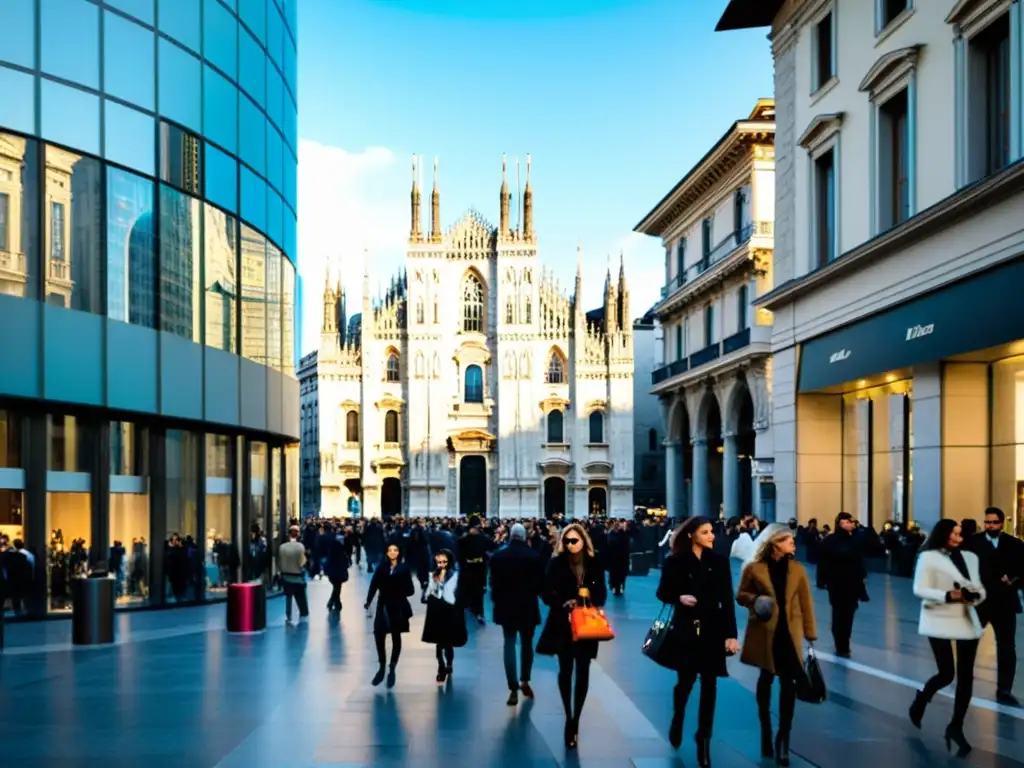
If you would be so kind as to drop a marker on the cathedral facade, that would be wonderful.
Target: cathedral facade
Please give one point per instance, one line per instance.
(472, 385)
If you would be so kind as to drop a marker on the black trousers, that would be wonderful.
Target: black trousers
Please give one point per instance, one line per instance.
(708, 698)
(787, 703)
(525, 635)
(1004, 625)
(445, 655)
(379, 639)
(573, 699)
(842, 623)
(335, 599)
(295, 591)
(961, 670)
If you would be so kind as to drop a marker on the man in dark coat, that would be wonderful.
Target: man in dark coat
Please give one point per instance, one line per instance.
(517, 578)
(1002, 575)
(373, 544)
(617, 559)
(474, 547)
(841, 571)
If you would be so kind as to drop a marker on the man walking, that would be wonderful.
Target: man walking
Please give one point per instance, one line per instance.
(517, 579)
(841, 571)
(291, 560)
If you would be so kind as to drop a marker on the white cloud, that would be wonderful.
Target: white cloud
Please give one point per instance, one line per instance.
(346, 204)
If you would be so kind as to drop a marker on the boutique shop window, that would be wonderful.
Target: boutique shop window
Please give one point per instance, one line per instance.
(71, 445)
(12, 498)
(1007, 452)
(222, 556)
(182, 553)
(130, 549)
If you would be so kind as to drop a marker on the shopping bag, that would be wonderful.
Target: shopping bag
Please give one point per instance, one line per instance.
(810, 686)
(590, 623)
(656, 646)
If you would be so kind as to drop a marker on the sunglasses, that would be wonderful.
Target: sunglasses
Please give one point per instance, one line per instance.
(572, 540)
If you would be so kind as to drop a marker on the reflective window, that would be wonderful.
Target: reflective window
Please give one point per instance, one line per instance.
(290, 69)
(18, 106)
(274, 210)
(183, 560)
(131, 263)
(221, 272)
(290, 179)
(71, 117)
(69, 520)
(275, 157)
(129, 137)
(291, 122)
(71, 40)
(252, 67)
(129, 552)
(254, 14)
(275, 33)
(254, 199)
(180, 20)
(254, 296)
(287, 317)
(180, 254)
(140, 9)
(290, 227)
(221, 178)
(180, 87)
(10, 441)
(180, 158)
(19, 212)
(18, 21)
(252, 146)
(1006, 476)
(128, 60)
(220, 109)
(275, 96)
(220, 37)
(74, 231)
(273, 307)
(256, 557)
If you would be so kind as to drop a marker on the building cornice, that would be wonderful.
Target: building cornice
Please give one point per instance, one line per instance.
(889, 67)
(930, 222)
(819, 129)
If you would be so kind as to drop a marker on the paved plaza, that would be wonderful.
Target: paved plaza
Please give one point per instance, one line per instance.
(177, 690)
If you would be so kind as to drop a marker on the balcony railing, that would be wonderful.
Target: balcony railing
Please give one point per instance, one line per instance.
(12, 262)
(736, 341)
(724, 248)
(706, 355)
(58, 270)
(668, 371)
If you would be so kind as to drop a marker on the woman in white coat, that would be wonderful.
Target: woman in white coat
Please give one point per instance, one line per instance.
(947, 580)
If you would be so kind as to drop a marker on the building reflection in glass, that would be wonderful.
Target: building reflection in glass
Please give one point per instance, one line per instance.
(221, 279)
(180, 266)
(19, 172)
(254, 296)
(131, 267)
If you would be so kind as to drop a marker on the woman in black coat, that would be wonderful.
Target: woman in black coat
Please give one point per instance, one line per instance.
(573, 569)
(445, 624)
(697, 583)
(392, 581)
(336, 569)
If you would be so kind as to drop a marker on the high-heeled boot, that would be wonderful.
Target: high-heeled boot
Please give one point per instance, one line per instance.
(917, 709)
(782, 749)
(955, 735)
(675, 728)
(764, 716)
(703, 751)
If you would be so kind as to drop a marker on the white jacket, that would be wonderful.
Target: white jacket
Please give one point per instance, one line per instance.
(934, 576)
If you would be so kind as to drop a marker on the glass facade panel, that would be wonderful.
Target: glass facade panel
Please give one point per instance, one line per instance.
(18, 106)
(70, 445)
(18, 21)
(180, 266)
(274, 212)
(181, 159)
(71, 40)
(128, 60)
(19, 214)
(180, 86)
(182, 556)
(252, 68)
(69, 520)
(1007, 428)
(180, 20)
(856, 456)
(221, 552)
(12, 526)
(290, 227)
(275, 513)
(273, 307)
(11, 452)
(254, 296)
(129, 556)
(128, 138)
(140, 9)
(221, 272)
(275, 96)
(292, 454)
(252, 139)
(275, 34)
(257, 562)
(254, 198)
(254, 14)
(220, 38)
(287, 318)
(275, 158)
(889, 481)
(129, 449)
(131, 260)
(290, 179)
(74, 231)
(70, 117)
(221, 178)
(220, 113)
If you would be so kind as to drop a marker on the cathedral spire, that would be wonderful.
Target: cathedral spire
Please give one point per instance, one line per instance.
(611, 308)
(435, 209)
(577, 298)
(528, 206)
(506, 199)
(329, 323)
(625, 321)
(415, 233)
(366, 285)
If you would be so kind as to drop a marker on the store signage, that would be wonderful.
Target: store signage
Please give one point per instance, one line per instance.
(838, 357)
(917, 331)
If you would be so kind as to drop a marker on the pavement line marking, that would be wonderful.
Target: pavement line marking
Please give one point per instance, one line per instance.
(881, 674)
(627, 715)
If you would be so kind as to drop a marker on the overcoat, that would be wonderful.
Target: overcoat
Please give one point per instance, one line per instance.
(934, 576)
(445, 623)
(757, 642)
(394, 587)
(560, 586)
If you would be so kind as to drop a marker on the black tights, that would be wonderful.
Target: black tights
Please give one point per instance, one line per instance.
(962, 670)
(708, 697)
(787, 702)
(573, 704)
(396, 647)
(445, 655)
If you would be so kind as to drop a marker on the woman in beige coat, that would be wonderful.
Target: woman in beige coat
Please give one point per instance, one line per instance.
(775, 589)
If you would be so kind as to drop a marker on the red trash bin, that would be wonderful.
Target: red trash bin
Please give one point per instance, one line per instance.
(247, 607)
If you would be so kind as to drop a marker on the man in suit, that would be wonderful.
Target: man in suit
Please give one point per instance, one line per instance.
(1002, 575)
(517, 579)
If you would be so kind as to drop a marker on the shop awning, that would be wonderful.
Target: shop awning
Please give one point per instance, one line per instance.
(981, 311)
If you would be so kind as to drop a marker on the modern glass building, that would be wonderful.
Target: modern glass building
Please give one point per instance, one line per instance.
(149, 411)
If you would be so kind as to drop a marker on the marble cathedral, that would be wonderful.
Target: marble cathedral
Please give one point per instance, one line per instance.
(473, 385)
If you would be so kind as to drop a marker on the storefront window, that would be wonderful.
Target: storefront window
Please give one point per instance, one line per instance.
(12, 479)
(130, 553)
(856, 448)
(221, 552)
(275, 511)
(292, 455)
(182, 553)
(70, 453)
(1007, 473)
(258, 555)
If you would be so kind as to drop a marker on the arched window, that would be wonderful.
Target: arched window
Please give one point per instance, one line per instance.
(419, 365)
(509, 311)
(596, 427)
(352, 427)
(474, 384)
(652, 440)
(392, 371)
(556, 368)
(419, 312)
(556, 432)
(472, 304)
(528, 312)
(391, 427)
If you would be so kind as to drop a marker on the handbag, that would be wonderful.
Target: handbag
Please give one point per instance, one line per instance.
(656, 646)
(810, 686)
(589, 622)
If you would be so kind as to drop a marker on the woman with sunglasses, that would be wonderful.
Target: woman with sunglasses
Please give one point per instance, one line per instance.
(573, 575)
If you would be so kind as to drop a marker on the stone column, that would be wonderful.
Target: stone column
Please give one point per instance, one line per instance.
(673, 468)
(700, 477)
(730, 475)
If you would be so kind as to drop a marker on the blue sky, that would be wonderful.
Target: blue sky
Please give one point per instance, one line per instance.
(614, 99)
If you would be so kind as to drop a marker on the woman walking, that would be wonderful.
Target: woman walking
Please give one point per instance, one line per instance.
(573, 575)
(947, 581)
(392, 582)
(697, 583)
(445, 624)
(776, 591)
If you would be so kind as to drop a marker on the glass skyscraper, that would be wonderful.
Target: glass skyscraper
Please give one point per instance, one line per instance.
(149, 410)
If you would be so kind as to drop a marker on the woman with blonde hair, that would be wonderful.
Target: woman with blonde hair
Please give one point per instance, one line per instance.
(574, 574)
(775, 589)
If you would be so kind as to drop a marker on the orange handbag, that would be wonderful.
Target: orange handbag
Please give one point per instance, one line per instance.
(588, 622)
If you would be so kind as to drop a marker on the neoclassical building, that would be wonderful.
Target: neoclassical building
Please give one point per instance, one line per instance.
(473, 385)
(715, 379)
